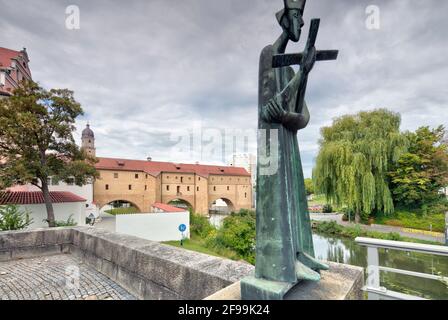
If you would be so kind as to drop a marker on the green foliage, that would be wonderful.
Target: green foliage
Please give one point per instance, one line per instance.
(36, 140)
(332, 228)
(356, 153)
(120, 211)
(309, 186)
(11, 218)
(200, 225)
(414, 219)
(69, 223)
(420, 173)
(327, 208)
(238, 234)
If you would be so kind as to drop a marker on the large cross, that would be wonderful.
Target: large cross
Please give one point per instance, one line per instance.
(284, 60)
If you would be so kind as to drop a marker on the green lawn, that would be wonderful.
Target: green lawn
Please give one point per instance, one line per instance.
(198, 245)
(317, 201)
(118, 211)
(413, 220)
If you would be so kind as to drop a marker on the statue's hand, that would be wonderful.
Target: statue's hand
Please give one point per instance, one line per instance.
(308, 60)
(273, 112)
(294, 121)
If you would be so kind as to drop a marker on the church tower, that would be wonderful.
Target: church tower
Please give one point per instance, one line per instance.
(88, 141)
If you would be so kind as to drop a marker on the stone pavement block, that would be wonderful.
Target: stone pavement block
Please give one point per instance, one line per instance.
(58, 236)
(31, 252)
(131, 281)
(5, 255)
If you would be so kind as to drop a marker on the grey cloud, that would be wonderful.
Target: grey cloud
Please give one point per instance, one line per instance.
(147, 70)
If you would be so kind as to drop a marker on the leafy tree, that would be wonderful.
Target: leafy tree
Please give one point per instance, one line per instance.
(309, 186)
(422, 172)
(356, 153)
(36, 141)
(12, 218)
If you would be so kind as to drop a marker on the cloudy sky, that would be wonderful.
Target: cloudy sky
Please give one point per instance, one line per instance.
(148, 71)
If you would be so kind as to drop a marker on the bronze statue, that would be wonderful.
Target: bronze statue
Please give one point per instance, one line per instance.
(284, 247)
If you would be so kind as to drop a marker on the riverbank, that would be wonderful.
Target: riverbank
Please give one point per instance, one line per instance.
(356, 230)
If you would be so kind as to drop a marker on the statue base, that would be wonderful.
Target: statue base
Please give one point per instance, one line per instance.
(260, 289)
(340, 282)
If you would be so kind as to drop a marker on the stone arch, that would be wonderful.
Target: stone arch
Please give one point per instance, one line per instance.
(230, 204)
(174, 199)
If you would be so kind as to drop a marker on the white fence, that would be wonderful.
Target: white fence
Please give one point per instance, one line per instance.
(373, 287)
(155, 226)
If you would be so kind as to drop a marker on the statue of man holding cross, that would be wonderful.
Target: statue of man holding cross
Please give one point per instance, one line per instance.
(284, 248)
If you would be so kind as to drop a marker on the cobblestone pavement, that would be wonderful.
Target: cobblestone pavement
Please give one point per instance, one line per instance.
(59, 277)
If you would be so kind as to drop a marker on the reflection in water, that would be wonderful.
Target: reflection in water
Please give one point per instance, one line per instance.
(346, 251)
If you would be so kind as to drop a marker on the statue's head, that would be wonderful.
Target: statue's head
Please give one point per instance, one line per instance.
(291, 18)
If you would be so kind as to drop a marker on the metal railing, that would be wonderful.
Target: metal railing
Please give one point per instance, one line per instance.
(373, 287)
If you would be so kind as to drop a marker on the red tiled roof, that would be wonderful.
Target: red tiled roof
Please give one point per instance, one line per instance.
(167, 207)
(37, 197)
(156, 168)
(6, 55)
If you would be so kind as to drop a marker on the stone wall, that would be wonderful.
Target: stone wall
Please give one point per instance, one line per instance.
(148, 270)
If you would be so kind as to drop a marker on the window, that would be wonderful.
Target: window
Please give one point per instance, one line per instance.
(136, 176)
(228, 188)
(2, 79)
(214, 188)
(107, 187)
(188, 188)
(146, 188)
(167, 188)
(116, 175)
(178, 189)
(181, 179)
(245, 194)
(146, 177)
(197, 188)
(199, 178)
(130, 187)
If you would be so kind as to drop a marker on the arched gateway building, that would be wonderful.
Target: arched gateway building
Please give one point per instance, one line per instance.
(143, 183)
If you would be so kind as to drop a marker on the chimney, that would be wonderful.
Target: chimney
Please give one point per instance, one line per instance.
(149, 159)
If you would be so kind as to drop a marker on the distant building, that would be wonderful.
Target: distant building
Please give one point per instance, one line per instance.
(14, 68)
(88, 141)
(145, 183)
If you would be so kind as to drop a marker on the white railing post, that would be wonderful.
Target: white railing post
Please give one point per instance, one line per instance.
(446, 228)
(373, 272)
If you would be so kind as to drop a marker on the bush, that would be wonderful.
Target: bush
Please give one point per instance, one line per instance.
(394, 236)
(327, 208)
(238, 234)
(329, 228)
(69, 223)
(200, 225)
(11, 218)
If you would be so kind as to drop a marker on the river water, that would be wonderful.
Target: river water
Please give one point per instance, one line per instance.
(346, 251)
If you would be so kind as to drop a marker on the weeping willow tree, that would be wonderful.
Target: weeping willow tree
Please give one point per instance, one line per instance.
(355, 155)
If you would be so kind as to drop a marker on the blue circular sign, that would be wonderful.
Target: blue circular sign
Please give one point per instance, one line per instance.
(182, 228)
